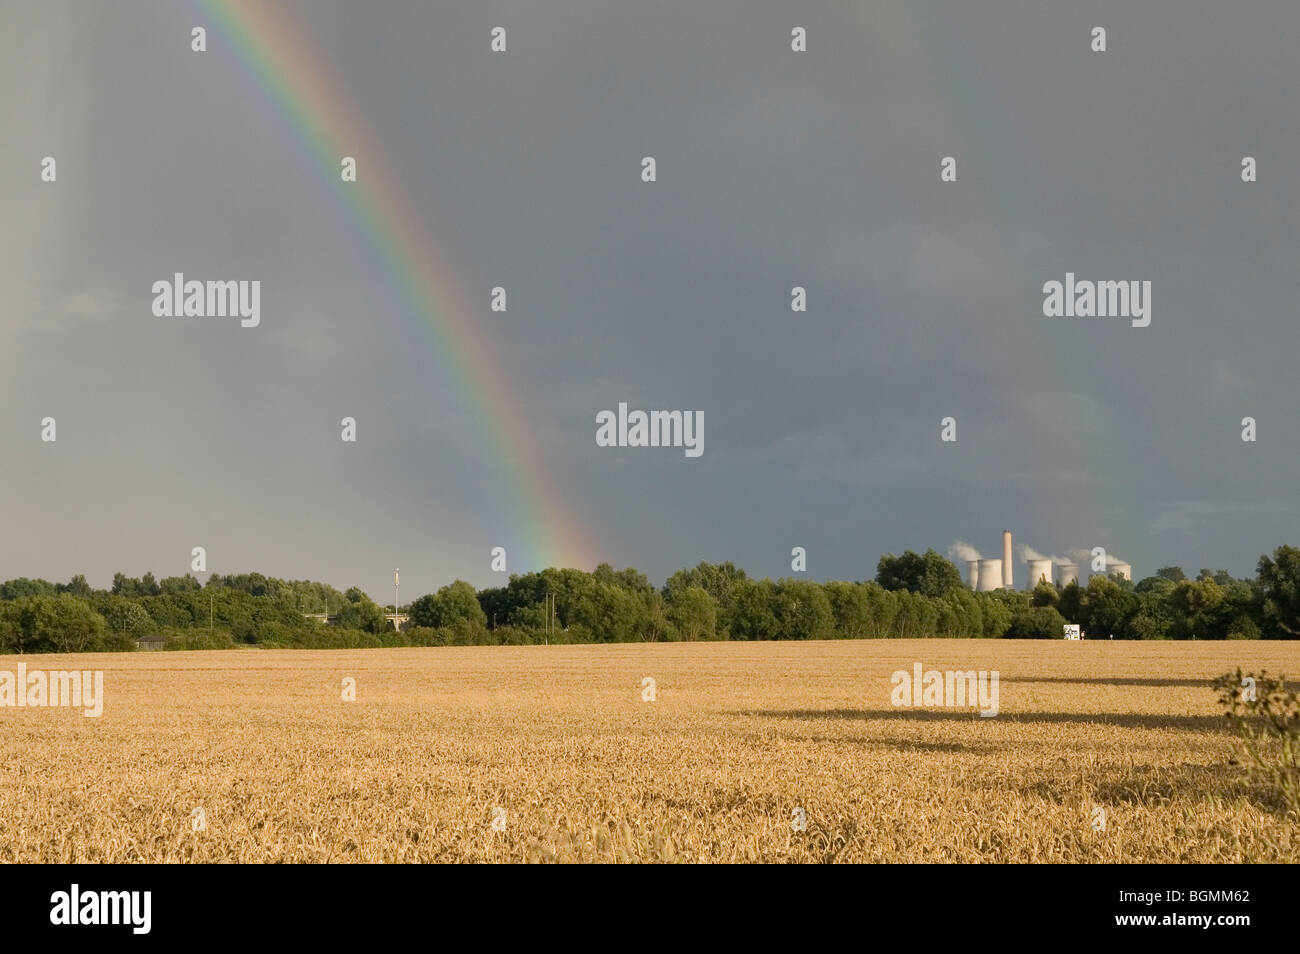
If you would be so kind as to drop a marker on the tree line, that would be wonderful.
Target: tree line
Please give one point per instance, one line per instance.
(912, 595)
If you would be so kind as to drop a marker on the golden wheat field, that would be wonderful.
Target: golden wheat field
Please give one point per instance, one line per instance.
(558, 747)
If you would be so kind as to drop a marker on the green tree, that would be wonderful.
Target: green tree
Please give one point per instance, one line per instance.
(1071, 602)
(997, 620)
(968, 611)
(1279, 584)
(657, 624)
(1243, 627)
(1107, 608)
(53, 624)
(1037, 622)
(1159, 585)
(124, 585)
(17, 589)
(802, 611)
(358, 611)
(694, 613)
(916, 617)
(851, 609)
(127, 616)
(12, 639)
(1195, 607)
(750, 610)
(930, 573)
(607, 613)
(175, 585)
(1045, 594)
(716, 579)
(1154, 617)
(455, 601)
(78, 586)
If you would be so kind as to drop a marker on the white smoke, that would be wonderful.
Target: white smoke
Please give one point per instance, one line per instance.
(1028, 553)
(963, 551)
(1085, 556)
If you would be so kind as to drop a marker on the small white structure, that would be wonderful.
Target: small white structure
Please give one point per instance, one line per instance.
(1072, 631)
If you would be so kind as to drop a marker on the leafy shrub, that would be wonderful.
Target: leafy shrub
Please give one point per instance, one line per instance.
(198, 639)
(1037, 622)
(1266, 717)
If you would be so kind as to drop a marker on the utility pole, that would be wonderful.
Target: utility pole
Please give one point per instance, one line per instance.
(396, 628)
(211, 601)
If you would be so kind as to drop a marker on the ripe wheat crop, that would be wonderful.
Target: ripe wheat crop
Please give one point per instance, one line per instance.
(1100, 752)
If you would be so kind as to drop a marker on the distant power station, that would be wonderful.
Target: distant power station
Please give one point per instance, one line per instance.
(988, 575)
(996, 574)
(1040, 571)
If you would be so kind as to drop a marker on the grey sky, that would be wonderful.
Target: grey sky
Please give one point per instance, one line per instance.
(775, 169)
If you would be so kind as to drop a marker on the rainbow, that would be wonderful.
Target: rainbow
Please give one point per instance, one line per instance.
(327, 125)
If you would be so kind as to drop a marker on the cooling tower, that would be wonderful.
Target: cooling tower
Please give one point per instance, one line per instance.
(973, 574)
(1038, 570)
(990, 575)
(1125, 570)
(1006, 559)
(1067, 573)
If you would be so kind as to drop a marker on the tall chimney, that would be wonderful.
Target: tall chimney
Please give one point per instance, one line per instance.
(1006, 559)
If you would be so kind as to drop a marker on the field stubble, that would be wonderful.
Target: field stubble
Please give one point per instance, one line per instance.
(738, 737)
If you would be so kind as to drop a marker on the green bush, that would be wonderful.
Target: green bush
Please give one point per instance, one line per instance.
(1037, 622)
(112, 642)
(1243, 628)
(1266, 716)
(50, 624)
(179, 639)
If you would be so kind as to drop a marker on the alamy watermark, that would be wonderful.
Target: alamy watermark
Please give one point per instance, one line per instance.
(948, 689)
(1086, 299)
(179, 298)
(39, 689)
(683, 429)
(74, 906)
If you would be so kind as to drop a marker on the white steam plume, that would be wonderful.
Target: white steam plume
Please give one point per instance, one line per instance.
(1085, 556)
(1028, 553)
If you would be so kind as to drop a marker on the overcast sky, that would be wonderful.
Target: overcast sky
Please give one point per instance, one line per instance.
(775, 169)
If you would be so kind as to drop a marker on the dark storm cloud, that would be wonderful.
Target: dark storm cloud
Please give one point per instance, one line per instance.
(775, 169)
